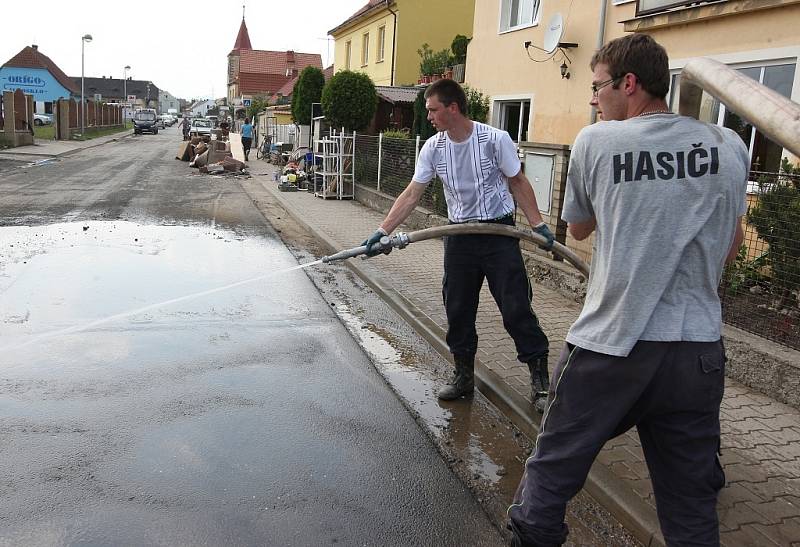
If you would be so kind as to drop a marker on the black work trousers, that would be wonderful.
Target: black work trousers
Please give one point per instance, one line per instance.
(468, 259)
(671, 392)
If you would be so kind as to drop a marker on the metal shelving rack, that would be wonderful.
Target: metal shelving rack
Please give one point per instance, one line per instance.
(336, 179)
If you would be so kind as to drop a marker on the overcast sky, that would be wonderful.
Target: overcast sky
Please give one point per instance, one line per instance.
(181, 47)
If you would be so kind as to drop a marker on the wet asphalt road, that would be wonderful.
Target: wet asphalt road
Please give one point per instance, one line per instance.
(138, 406)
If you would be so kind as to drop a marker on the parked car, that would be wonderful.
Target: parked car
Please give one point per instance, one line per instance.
(145, 120)
(168, 119)
(200, 127)
(42, 119)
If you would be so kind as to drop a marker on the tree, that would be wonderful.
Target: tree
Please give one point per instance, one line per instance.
(422, 126)
(257, 104)
(349, 100)
(307, 90)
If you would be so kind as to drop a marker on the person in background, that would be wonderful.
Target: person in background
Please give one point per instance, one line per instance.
(482, 177)
(247, 138)
(185, 125)
(664, 195)
(225, 128)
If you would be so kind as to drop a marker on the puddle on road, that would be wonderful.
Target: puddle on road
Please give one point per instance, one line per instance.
(56, 278)
(458, 425)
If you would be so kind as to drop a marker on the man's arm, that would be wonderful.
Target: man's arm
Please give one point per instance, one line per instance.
(403, 205)
(581, 230)
(522, 191)
(738, 237)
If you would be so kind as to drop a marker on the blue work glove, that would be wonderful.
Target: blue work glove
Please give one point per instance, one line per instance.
(543, 230)
(372, 240)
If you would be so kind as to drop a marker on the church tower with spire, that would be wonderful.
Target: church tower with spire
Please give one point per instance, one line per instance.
(242, 43)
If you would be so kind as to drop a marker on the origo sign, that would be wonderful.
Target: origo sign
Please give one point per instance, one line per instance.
(33, 81)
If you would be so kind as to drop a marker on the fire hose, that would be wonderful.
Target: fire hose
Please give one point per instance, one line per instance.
(401, 240)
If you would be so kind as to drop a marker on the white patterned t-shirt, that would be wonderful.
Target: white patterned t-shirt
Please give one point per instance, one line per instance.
(474, 172)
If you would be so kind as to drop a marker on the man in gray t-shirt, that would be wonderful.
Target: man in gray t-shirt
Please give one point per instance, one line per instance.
(664, 196)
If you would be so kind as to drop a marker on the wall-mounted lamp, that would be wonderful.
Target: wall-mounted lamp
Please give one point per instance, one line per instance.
(564, 71)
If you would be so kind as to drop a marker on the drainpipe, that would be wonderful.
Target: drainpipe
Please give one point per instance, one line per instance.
(601, 38)
(394, 40)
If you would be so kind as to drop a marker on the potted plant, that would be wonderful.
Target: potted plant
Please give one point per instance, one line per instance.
(441, 62)
(427, 64)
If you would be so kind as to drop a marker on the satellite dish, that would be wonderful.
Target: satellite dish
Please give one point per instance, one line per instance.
(552, 35)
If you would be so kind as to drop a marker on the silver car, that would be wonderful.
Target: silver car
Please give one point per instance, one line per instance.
(201, 127)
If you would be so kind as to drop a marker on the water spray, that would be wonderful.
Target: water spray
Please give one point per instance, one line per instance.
(401, 240)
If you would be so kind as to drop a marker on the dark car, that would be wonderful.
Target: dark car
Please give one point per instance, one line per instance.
(145, 120)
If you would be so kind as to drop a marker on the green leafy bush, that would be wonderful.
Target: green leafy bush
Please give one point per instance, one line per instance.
(743, 272)
(349, 100)
(459, 49)
(776, 218)
(477, 105)
(307, 90)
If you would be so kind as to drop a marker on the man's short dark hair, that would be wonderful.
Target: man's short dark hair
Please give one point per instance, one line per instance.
(641, 55)
(448, 92)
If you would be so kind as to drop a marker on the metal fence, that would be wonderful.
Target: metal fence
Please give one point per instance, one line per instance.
(387, 164)
(760, 290)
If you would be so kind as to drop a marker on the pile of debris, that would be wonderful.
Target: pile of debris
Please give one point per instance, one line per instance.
(210, 156)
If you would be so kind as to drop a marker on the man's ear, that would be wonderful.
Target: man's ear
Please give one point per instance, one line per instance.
(630, 80)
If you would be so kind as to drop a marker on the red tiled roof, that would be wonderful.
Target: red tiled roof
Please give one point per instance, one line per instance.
(276, 62)
(242, 39)
(31, 57)
(371, 5)
(328, 73)
(253, 84)
(288, 87)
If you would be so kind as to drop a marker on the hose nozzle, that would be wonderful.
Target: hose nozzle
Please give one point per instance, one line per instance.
(400, 240)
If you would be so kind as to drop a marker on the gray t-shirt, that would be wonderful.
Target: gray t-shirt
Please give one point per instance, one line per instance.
(474, 172)
(666, 191)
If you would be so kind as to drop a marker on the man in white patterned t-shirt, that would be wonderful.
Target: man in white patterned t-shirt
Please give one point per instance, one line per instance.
(482, 178)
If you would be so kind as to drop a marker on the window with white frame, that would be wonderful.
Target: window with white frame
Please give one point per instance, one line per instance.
(381, 44)
(765, 155)
(518, 14)
(348, 48)
(365, 49)
(513, 116)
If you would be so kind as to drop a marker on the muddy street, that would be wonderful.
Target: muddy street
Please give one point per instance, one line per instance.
(169, 376)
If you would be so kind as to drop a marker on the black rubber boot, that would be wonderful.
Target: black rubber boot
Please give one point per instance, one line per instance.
(463, 382)
(540, 382)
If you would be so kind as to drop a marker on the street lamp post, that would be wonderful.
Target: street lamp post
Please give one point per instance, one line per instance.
(125, 90)
(85, 38)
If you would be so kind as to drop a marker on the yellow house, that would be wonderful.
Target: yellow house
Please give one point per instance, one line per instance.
(382, 38)
(541, 94)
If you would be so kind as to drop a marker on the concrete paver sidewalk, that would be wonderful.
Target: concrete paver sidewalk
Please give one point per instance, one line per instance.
(760, 437)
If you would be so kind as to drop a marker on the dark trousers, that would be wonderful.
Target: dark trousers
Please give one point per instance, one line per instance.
(246, 142)
(468, 259)
(671, 391)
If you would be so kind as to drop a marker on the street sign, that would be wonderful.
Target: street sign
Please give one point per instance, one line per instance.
(223, 108)
(98, 97)
(245, 102)
(131, 98)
